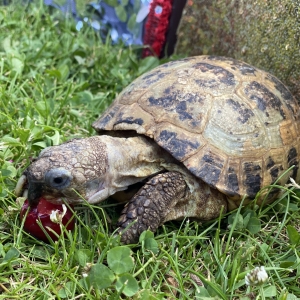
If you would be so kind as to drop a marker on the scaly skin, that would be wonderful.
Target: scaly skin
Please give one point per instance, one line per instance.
(151, 204)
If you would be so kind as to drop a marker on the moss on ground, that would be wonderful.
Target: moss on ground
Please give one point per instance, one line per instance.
(261, 32)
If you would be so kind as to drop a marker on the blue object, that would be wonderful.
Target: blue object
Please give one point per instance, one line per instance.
(103, 18)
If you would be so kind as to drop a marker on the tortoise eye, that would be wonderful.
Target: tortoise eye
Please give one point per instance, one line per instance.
(58, 178)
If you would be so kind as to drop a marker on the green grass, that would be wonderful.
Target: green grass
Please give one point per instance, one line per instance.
(54, 81)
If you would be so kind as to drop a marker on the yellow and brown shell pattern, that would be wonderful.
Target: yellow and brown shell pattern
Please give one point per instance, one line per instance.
(232, 125)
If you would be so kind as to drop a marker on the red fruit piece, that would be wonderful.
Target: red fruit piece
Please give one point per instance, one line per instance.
(42, 212)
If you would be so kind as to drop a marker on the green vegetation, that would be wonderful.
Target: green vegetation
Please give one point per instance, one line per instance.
(54, 81)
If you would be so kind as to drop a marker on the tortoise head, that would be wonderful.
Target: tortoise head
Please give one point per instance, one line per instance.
(72, 172)
(91, 169)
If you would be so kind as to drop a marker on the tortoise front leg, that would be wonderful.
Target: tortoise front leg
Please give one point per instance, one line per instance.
(151, 205)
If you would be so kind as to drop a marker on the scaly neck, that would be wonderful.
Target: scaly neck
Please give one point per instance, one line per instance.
(130, 160)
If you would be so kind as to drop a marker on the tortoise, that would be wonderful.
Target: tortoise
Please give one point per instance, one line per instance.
(200, 134)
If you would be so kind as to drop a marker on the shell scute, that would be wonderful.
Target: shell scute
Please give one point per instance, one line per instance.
(288, 132)
(128, 120)
(252, 177)
(222, 75)
(244, 112)
(264, 98)
(107, 121)
(210, 168)
(179, 147)
(242, 67)
(215, 80)
(232, 183)
(292, 159)
(182, 144)
(153, 77)
(182, 106)
(233, 127)
(279, 86)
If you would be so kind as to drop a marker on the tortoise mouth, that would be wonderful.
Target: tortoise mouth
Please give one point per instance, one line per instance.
(21, 189)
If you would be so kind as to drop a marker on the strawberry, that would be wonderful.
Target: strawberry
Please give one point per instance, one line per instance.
(50, 215)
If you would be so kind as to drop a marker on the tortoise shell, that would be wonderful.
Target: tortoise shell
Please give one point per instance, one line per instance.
(232, 125)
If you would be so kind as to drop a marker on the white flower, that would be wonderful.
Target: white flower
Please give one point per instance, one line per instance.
(86, 269)
(293, 183)
(262, 275)
(56, 216)
(257, 276)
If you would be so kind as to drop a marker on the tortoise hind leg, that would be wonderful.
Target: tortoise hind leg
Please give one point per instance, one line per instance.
(151, 205)
(203, 204)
